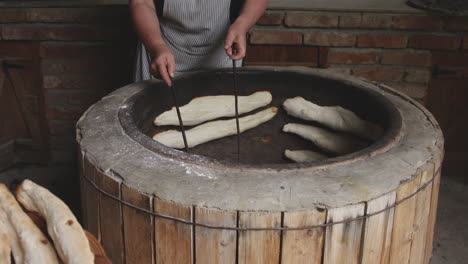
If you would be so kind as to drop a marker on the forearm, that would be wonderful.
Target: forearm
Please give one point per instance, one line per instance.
(146, 23)
(251, 12)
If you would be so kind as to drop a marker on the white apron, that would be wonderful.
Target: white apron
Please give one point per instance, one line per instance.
(195, 31)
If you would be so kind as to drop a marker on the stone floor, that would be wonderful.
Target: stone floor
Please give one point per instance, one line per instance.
(451, 234)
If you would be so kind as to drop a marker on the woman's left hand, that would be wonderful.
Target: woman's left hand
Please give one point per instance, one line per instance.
(236, 36)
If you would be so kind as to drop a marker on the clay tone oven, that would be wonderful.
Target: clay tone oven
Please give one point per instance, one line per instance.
(148, 203)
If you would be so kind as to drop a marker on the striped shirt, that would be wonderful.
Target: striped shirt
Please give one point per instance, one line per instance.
(195, 31)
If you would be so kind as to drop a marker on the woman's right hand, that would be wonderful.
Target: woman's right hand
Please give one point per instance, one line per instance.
(163, 64)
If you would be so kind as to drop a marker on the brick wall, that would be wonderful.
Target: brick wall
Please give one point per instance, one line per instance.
(391, 48)
(84, 54)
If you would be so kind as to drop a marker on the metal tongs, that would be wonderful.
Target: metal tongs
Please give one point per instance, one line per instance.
(179, 116)
(174, 98)
(236, 101)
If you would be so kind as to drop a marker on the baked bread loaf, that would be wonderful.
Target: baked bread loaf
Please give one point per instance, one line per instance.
(303, 155)
(206, 108)
(214, 130)
(334, 117)
(328, 141)
(5, 245)
(69, 237)
(28, 243)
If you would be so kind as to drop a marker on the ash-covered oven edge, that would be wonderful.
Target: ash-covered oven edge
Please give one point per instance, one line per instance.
(332, 187)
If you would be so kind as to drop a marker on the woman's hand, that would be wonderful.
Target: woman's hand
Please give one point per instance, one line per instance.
(236, 36)
(163, 63)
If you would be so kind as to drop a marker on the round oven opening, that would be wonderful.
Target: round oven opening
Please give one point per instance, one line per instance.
(262, 146)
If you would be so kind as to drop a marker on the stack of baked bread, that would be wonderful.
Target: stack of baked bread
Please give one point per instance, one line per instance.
(23, 241)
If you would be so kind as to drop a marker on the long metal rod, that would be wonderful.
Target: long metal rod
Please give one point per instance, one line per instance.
(174, 98)
(181, 124)
(236, 102)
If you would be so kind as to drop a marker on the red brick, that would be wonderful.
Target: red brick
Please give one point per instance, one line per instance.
(376, 21)
(350, 21)
(309, 19)
(452, 73)
(62, 142)
(450, 58)
(281, 55)
(276, 37)
(413, 22)
(66, 97)
(381, 74)
(80, 82)
(92, 66)
(417, 76)
(52, 97)
(416, 91)
(65, 33)
(84, 98)
(347, 56)
(271, 18)
(457, 24)
(61, 127)
(64, 112)
(382, 41)
(85, 50)
(18, 49)
(330, 38)
(114, 14)
(339, 69)
(63, 156)
(412, 58)
(434, 42)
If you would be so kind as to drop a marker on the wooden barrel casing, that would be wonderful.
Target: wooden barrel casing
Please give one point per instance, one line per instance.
(401, 233)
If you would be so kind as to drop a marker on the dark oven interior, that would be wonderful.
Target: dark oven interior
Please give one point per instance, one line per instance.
(266, 143)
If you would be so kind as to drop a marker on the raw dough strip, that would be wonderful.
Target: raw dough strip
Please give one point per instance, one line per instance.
(303, 155)
(28, 243)
(326, 140)
(68, 235)
(5, 244)
(202, 109)
(214, 130)
(334, 117)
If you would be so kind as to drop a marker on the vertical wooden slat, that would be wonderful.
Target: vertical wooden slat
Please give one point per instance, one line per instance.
(110, 214)
(421, 219)
(378, 230)
(343, 241)
(259, 246)
(92, 201)
(303, 246)
(173, 240)
(83, 197)
(215, 245)
(432, 213)
(138, 227)
(403, 222)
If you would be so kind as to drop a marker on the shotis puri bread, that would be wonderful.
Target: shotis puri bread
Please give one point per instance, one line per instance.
(28, 243)
(215, 129)
(69, 237)
(5, 245)
(206, 108)
(334, 117)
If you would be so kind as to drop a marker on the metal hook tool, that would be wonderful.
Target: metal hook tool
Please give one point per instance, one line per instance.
(236, 101)
(176, 105)
(174, 98)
